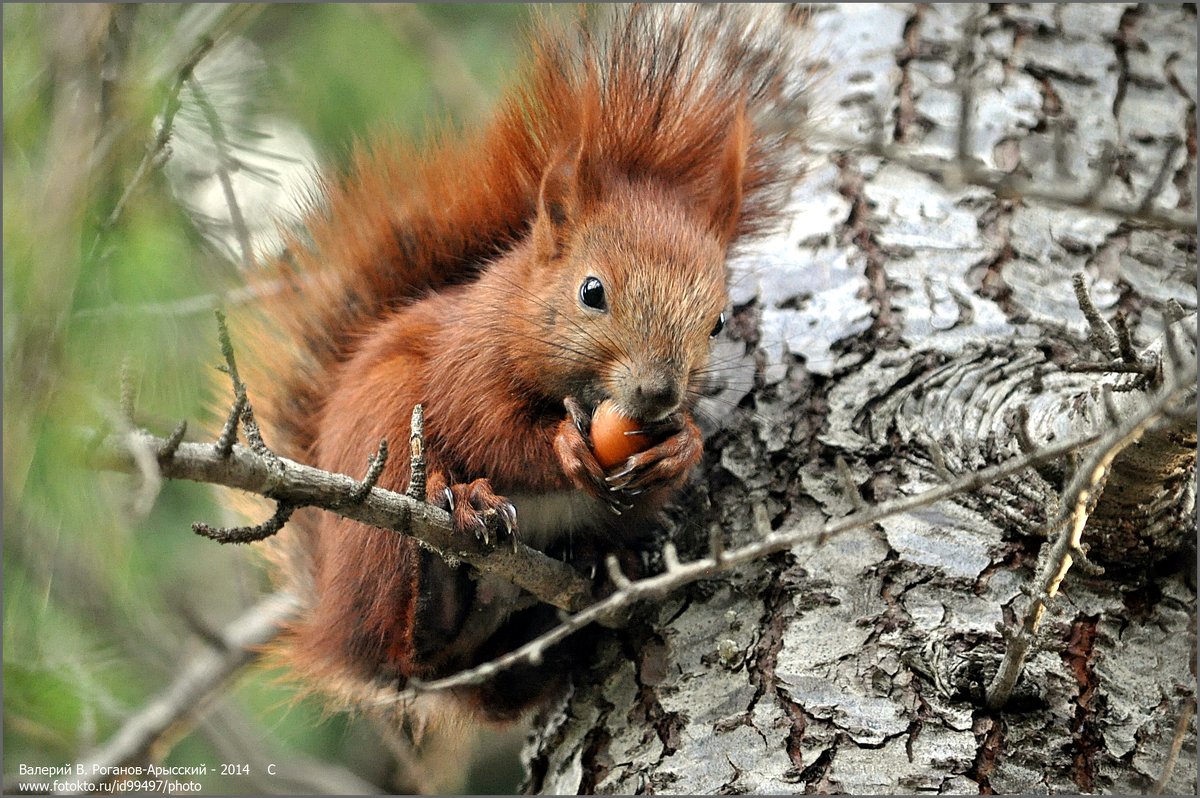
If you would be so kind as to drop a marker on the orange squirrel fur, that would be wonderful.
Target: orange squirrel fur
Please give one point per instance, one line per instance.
(509, 280)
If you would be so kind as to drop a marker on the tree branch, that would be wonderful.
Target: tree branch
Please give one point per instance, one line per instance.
(952, 171)
(202, 679)
(1081, 496)
(226, 164)
(721, 560)
(1079, 500)
(156, 150)
(290, 482)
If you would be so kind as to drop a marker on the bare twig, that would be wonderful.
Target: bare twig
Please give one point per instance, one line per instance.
(242, 410)
(374, 468)
(1160, 179)
(128, 392)
(416, 446)
(1101, 334)
(144, 457)
(284, 480)
(681, 574)
(228, 436)
(226, 164)
(1080, 497)
(948, 171)
(176, 708)
(1125, 340)
(151, 477)
(248, 534)
(156, 150)
(1186, 712)
(615, 574)
(172, 445)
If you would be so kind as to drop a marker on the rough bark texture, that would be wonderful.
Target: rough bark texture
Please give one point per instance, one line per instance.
(899, 310)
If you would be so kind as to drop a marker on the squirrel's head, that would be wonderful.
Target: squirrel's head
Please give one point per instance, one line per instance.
(635, 281)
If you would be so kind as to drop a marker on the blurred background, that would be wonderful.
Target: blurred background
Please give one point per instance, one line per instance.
(126, 131)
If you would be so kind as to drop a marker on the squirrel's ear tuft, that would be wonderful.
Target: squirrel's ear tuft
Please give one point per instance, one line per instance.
(571, 181)
(725, 191)
(567, 186)
(557, 204)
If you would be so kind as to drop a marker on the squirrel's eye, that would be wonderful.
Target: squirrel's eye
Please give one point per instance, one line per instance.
(591, 293)
(720, 325)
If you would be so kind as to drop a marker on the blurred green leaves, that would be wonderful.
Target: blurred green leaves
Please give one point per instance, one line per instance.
(101, 607)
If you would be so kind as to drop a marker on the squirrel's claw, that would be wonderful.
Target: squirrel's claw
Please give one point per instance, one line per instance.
(581, 417)
(477, 510)
(508, 516)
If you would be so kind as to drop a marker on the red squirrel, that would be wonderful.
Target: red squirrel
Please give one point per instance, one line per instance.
(509, 280)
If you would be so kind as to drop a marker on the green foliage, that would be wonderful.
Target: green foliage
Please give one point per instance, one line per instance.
(102, 606)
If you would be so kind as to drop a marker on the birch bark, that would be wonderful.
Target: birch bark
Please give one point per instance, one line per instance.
(901, 309)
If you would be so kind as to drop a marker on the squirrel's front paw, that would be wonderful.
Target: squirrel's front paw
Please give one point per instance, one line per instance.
(477, 510)
(665, 465)
(574, 450)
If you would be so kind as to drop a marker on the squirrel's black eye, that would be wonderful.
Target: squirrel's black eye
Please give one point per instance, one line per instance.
(591, 293)
(720, 325)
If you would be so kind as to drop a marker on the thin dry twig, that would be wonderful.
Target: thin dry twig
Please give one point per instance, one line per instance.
(1125, 340)
(242, 410)
(416, 448)
(228, 436)
(157, 149)
(187, 697)
(678, 574)
(1101, 334)
(284, 480)
(172, 445)
(1080, 497)
(248, 534)
(374, 468)
(1186, 712)
(1160, 179)
(128, 392)
(949, 172)
(226, 164)
(144, 457)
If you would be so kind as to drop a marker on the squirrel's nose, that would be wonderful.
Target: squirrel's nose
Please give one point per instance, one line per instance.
(655, 397)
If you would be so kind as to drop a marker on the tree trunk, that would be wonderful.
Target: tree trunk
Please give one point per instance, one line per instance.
(914, 327)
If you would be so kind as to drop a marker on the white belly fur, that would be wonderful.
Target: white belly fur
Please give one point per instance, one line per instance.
(544, 517)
